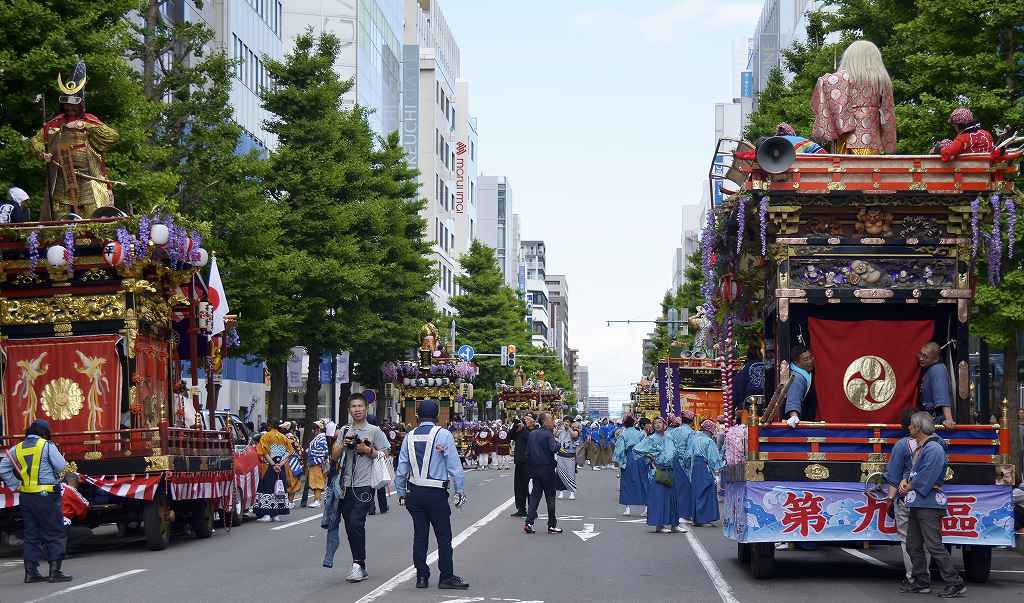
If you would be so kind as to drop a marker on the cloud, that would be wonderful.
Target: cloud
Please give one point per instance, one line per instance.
(670, 22)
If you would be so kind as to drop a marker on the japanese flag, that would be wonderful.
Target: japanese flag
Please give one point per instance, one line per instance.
(218, 300)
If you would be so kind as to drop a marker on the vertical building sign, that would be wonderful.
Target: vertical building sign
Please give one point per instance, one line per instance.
(747, 84)
(411, 103)
(460, 177)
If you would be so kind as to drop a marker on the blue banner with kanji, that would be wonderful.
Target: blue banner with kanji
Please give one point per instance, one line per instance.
(836, 511)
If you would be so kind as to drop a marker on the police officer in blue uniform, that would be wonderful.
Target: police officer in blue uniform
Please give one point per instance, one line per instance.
(427, 464)
(32, 468)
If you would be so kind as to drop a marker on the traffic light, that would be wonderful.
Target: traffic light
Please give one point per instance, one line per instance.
(511, 354)
(504, 355)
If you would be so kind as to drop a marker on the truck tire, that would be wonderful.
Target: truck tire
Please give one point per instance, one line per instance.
(156, 523)
(201, 520)
(977, 562)
(743, 552)
(762, 560)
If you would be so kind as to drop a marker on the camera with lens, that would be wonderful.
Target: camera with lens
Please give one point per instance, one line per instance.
(352, 442)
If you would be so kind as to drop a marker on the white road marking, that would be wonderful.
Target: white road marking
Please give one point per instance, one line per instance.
(410, 572)
(295, 523)
(865, 557)
(587, 532)
(90, 584)
(632, 520)
(1007, 571)
(11, 563)
(723, 588)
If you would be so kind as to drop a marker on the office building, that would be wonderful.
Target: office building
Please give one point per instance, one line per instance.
(371, 50)
(782, 22)
(597, 406)
(534, 259)
(558, 290)
(430, 117)
(538, 316)
(495, 224)
(248, 31)
(581, 383)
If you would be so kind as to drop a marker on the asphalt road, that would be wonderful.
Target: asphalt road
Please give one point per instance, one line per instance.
(616, 559)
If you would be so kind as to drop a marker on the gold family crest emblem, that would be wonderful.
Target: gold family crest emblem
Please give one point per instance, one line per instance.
(869, 383)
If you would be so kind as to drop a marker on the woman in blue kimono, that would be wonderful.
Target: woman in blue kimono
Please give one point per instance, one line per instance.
(662, 511)
(681, 437)
(705, 460)
(633, 483)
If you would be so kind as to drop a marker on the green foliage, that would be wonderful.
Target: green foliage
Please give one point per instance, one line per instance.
(354, 266)
(42, 39)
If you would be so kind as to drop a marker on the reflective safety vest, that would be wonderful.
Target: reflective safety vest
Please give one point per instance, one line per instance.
(30, 458)
(419, 474)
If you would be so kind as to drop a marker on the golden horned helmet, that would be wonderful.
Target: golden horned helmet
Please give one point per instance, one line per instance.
(73, 91)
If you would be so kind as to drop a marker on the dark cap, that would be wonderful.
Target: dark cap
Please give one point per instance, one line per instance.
(427, 410)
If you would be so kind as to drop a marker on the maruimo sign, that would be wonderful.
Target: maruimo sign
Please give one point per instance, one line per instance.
(460, 177)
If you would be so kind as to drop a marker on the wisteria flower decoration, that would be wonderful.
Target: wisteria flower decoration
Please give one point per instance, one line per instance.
(762, 212)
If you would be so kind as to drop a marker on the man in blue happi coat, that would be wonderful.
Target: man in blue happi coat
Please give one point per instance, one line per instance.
(681, 438)
(633, 483)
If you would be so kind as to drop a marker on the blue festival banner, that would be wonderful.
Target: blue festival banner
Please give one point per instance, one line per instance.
(669, 398)
(836, 511)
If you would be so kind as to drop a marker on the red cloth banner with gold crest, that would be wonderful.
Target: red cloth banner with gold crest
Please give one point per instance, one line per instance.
(866, 371)
(72, 382)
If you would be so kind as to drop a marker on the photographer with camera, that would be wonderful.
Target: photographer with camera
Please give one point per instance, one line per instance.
(354, 452)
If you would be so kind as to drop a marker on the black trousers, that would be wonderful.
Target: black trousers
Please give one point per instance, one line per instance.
(521, 484)
(429, 507)
(924, 534)
(354, 508)
(382, 501)
(544, 482)
(44, 526)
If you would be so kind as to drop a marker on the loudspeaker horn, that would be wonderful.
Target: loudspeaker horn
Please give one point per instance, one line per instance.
(776, 154)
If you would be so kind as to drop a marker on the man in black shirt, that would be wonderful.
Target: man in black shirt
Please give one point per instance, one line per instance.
(520, 434)
(542, 446)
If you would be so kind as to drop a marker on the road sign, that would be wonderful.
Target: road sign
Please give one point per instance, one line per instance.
(466, 352)
(370, 395)
(504, 355)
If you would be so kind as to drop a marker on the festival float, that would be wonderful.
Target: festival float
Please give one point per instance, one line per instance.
(437, 374)
(98, 310)
(863, 259)
(529, 395)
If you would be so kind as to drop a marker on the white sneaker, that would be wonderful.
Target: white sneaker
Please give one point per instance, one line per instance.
(315, 504)
(644, 514)
(679, 529)
(596, 468)
(358, 574)
(265, 519)
(561, 495)
(572, 496)
(626, 512)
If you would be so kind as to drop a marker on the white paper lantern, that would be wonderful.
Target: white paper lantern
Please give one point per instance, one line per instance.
(159, 234)
(56, 256)
(199, 257)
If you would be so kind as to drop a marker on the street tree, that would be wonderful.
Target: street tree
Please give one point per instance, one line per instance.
(491, 314)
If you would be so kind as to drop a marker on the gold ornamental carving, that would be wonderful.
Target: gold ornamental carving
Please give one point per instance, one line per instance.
(131, 331)
(753, 471)
(816, 472)
(62, 399)
(61, 309)
(158, 463)
(949, 474)
(869, 383)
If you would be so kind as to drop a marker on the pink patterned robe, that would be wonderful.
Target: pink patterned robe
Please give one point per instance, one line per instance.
(859, 115)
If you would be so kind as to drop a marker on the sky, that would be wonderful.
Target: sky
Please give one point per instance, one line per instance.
(601, 114)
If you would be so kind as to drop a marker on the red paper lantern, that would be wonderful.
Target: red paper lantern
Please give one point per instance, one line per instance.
(113, 253)
(729, 288)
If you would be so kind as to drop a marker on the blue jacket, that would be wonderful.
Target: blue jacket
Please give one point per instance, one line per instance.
(927, 474)
(898, 468)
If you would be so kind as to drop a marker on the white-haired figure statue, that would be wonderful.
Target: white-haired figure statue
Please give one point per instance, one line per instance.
(853, 107)
(702, 322)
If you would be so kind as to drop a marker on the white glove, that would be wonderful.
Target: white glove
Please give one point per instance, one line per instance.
(67, 521)
(460, 499)
(792, 421)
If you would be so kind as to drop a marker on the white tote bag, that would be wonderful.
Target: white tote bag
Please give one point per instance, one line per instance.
(382, 474)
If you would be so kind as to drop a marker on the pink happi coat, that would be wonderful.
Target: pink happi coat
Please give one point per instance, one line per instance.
(842, 107)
